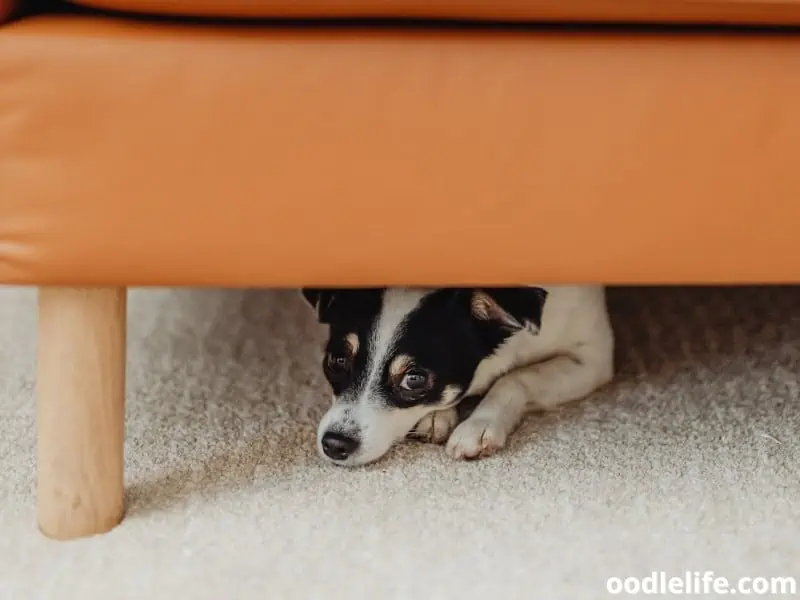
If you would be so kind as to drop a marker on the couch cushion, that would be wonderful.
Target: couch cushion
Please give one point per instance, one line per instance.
(183, 155)
(663, 11)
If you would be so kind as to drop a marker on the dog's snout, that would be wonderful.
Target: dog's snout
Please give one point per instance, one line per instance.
(337, 446)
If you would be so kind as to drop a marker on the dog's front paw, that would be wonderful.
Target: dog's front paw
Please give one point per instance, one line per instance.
(476, 438)
(435, 427)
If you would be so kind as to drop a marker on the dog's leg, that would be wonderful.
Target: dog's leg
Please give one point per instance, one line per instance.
(544, 385)
(435, 427)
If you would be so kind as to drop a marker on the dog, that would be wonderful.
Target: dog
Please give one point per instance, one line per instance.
(400, 360)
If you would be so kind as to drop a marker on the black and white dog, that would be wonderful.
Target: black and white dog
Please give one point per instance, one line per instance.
(400, 360)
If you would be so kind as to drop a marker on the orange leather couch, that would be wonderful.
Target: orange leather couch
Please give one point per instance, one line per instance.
(350, 142)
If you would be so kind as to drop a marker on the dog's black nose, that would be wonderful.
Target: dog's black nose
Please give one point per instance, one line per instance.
(338, 446)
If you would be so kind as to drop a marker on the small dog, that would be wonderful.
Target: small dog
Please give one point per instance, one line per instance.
(400, 360)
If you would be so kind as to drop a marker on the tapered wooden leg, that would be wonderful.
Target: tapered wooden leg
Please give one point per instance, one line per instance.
(80, 410)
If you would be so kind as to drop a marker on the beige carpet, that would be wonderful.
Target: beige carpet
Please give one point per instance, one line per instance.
(689, 462)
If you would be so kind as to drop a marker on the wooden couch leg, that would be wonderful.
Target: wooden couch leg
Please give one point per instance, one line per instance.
(80, 410)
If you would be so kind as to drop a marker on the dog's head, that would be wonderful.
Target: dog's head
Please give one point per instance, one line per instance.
(395, 355)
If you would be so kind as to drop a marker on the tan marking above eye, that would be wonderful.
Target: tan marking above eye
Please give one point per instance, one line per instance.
(399, 365)
(352, 342)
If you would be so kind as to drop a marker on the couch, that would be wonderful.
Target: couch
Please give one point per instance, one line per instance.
(269, 143)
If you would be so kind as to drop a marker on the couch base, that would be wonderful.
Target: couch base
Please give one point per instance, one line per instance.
(136, 153)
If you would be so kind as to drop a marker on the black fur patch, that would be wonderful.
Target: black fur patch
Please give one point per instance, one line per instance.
(344, 304)
(442, 336)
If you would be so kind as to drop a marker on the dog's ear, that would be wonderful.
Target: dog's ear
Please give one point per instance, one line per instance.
(332, 304)
(321, 300)
(513, 308)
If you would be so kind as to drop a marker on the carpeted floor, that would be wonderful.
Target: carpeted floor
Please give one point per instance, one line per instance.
(690, 461)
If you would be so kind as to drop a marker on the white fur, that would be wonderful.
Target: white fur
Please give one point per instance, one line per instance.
(568, 358)
(436, 426)
(379, 427)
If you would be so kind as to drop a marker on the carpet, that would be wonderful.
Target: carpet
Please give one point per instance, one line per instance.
(689, 462)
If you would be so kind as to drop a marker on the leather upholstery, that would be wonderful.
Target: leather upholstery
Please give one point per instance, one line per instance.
(157, 154)
(778, 12)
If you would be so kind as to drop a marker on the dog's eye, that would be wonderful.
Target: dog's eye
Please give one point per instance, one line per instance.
(339, 361)
(337, 364)
(415, 380)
